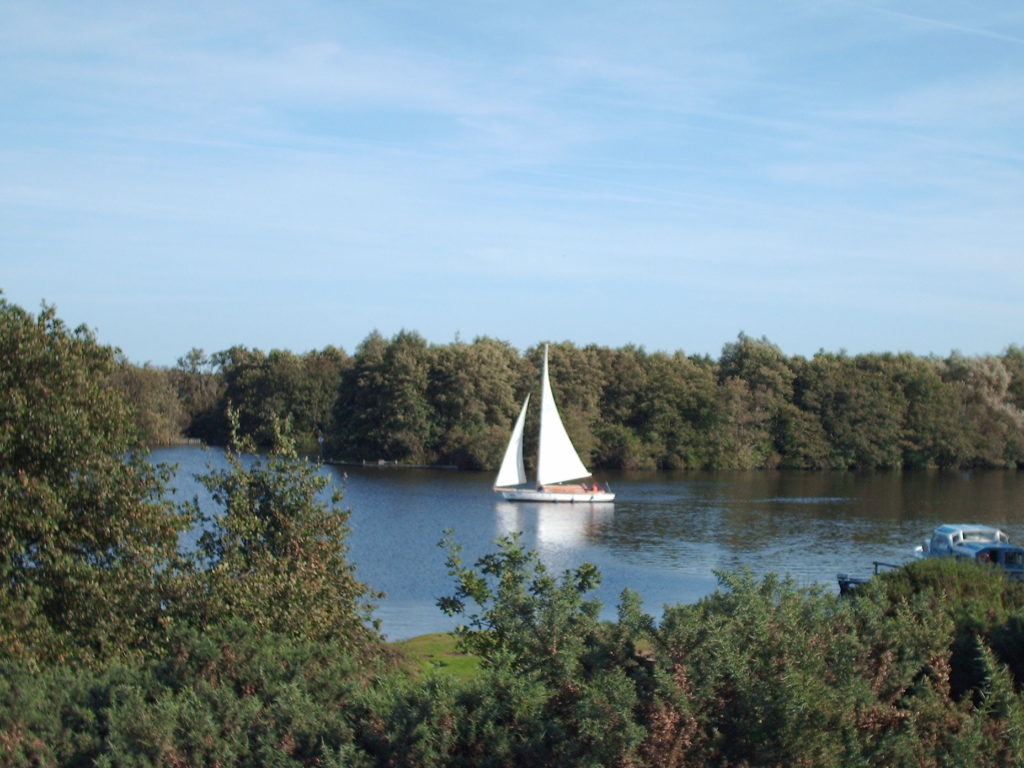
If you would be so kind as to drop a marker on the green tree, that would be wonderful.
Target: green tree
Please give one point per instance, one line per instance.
(86, 536)
(472, 401)
(282, 386)
(740, 436)
(1013, 362)
(993, 424)
(276, 555)
(754, 415)
(934, 431)
(676, 409)
(800, 437)
(160, 416)
(759, 363)
(313, 408)
(558, 687)
(382, 410)
(861, 407)
(200, 388)
(246, 391)
(628, 437)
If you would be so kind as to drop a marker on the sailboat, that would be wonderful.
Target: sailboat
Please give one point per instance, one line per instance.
(557, 460)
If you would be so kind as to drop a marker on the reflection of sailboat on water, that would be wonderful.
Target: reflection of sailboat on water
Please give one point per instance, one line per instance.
(557, 460)
(558, 534)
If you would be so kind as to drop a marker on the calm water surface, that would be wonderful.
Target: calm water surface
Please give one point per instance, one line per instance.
(664, 536)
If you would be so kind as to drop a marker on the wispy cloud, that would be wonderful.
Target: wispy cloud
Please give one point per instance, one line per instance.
(934, 21)
(748, 158)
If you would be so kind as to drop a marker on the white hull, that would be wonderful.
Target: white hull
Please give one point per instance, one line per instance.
(529, 494)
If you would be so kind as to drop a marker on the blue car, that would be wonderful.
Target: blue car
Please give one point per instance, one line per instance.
(982, 543)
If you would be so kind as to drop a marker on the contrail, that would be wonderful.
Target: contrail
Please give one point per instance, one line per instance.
(935, 22)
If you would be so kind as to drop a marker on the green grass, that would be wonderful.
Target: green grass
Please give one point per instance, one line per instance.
(437, 653)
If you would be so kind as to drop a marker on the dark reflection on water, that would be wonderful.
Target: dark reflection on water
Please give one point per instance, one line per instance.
(664, 536)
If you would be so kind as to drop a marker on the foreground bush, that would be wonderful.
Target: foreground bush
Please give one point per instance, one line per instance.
(226, 697)
(761, 673)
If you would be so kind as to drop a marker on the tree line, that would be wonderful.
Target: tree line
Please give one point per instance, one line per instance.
(404, 400)
(259, 647)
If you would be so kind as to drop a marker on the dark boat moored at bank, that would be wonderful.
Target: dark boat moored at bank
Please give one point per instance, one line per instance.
(849, 584)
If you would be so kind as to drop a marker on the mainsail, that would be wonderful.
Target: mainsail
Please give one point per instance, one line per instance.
(512, 471)
(557, 460)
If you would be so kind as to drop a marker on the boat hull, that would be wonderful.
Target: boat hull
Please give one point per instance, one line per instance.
(578, 497)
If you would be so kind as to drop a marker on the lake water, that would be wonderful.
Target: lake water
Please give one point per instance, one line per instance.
(664, 536)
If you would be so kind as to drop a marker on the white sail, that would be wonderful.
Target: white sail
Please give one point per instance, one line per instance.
(512, 471)
(557, 460)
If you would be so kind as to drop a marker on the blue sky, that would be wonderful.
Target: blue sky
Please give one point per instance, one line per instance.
(835, 174)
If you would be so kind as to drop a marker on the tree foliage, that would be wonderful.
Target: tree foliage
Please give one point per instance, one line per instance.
(261, 650)
(274, 555)
(200, 390)
(404, 400)
(160, 415)
(922, 667)
(86, 534)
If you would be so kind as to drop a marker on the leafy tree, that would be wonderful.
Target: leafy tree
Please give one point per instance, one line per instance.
(382, 410)
(632, 416)
(759, 363)
(800, 439)
(741, 433)
(281, 386)
(160, 416)
(200, 389)
(246, 392)
(676, 409)
(621, 448)
(861, 408)
(558, 685)
(626, 386)
(934, 432)
(360, 427)
(86, 536)
(313, 407)
(769, 377)
(401, 399)
(276, 556)
(472, 401)
(1013, 362)
(994, 425)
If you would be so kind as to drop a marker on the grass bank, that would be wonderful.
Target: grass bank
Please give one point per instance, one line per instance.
(437, 652)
